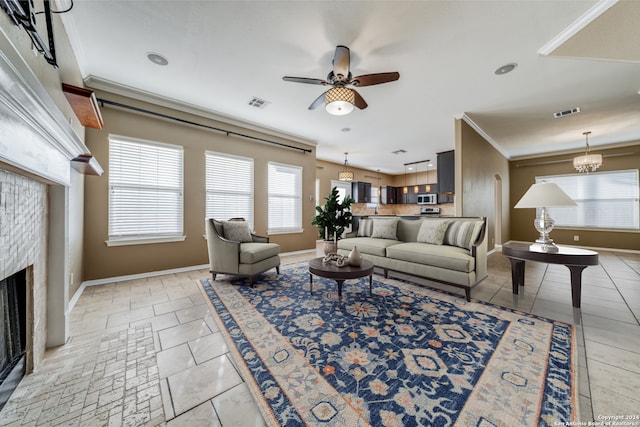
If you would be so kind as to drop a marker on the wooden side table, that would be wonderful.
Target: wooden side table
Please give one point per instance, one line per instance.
(339, 274)
(574, 259)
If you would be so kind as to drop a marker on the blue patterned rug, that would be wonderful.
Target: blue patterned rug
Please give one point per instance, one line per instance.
(405, 356)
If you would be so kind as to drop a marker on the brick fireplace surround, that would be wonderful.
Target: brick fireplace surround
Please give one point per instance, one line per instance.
(23, 239)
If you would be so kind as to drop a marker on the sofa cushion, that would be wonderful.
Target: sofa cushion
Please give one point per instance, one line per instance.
(237, 231)
(432, 231)
(462, 233)
(250, 253)
(365, 227)
(367, 245)
(385, 228)
(448, 257)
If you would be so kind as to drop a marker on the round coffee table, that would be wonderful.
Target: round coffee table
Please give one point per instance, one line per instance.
(340, 274)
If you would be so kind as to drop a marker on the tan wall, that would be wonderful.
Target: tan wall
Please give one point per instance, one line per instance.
(103, 262)
(523, 173)
(482, 178)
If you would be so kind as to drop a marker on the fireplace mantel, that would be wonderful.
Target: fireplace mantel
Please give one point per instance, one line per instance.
(35, 137)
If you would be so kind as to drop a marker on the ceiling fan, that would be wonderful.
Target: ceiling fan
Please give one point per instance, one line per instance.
(341, 99)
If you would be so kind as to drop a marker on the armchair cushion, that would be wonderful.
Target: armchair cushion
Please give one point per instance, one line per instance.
(250, 253)
(237, 231)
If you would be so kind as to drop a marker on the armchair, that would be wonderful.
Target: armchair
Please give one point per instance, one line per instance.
(234, 250)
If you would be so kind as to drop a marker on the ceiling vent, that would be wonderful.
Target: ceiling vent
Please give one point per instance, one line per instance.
(400, 151)
(258, 103)
(566, 113)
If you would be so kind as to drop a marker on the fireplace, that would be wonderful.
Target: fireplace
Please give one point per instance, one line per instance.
(13, 333)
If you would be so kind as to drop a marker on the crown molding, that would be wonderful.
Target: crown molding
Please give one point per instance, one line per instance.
(593, 13)
(483, 134)
(140, 95)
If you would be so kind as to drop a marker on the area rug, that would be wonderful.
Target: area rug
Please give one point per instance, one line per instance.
(405, 356)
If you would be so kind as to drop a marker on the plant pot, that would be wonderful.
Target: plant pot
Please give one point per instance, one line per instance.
(330, 247)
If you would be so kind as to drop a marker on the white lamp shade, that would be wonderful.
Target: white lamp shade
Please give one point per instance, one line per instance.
(545, 194)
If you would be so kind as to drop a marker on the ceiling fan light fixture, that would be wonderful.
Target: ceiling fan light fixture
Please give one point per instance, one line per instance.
(339, 101)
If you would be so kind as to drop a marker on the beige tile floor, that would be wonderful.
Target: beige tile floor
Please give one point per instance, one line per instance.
(148, 352)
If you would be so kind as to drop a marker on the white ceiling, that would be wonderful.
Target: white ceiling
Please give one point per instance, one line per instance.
(223, 53)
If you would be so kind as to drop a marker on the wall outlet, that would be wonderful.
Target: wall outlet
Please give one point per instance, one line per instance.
(576, 238)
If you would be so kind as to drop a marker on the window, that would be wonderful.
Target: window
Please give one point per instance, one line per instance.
(605, 200)
(285, 198)
(229, 187)
(145, 191)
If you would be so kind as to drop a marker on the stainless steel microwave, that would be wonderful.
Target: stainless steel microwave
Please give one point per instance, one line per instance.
(427, 199)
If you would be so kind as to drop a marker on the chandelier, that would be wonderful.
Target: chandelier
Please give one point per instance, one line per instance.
(346, 174)
(339, 101)
(589, 162)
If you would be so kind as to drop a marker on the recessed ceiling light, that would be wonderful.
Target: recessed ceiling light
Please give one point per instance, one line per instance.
(157, 59)
(345, 129)
(506, 68)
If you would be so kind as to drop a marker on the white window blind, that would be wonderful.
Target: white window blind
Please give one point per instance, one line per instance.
(285, 198)
(145, 189)
(229, 187)
(605, 200)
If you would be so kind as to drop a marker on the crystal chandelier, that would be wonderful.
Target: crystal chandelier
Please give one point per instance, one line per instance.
(346, 174)
(589, 162)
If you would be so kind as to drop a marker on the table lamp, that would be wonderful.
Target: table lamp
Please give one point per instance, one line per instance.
(545, 195)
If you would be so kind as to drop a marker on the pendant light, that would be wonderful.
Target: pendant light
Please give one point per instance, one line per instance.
(589, 162)
(415, 187)
(346, 174)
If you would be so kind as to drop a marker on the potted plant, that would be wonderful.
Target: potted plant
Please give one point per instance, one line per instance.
(332, 219)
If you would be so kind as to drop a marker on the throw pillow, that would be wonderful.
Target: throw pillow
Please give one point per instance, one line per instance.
(237, 231)
(365, 227)
(385, 228)
(432, 231)
(462, 233)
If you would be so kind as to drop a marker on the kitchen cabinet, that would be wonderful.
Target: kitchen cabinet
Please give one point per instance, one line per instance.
(361, 192)
(446, 172)
(388, 195)
(410, 197)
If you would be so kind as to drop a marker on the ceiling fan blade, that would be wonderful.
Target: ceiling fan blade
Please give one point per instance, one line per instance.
(319, 101)
(341, 60)
(375, 79)
(359, 101)
(305, 80)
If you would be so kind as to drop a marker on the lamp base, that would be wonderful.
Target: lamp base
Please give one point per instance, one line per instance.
(543, 246)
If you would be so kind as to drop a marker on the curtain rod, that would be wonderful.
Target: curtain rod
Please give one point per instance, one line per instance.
(189, 122)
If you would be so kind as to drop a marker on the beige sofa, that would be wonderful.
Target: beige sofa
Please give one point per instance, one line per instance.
(452, 251)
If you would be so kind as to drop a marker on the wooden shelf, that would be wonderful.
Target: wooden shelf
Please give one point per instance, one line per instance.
(85, 105)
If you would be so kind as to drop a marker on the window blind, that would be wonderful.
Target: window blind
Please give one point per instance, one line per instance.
(145, 189)
(229, 187)
(605, 200)
(285, 198)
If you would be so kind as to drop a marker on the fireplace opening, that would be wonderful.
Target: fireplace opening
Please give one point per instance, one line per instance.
(13, 330)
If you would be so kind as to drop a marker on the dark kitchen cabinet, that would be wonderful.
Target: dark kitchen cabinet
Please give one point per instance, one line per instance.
(446, 172)
(361, 192)
(388, 195)
(410, 197)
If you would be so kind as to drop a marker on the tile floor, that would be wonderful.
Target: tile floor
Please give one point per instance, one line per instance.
(148, 352)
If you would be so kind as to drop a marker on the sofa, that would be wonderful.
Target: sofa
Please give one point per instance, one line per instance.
(234, 249)
(448, 250)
